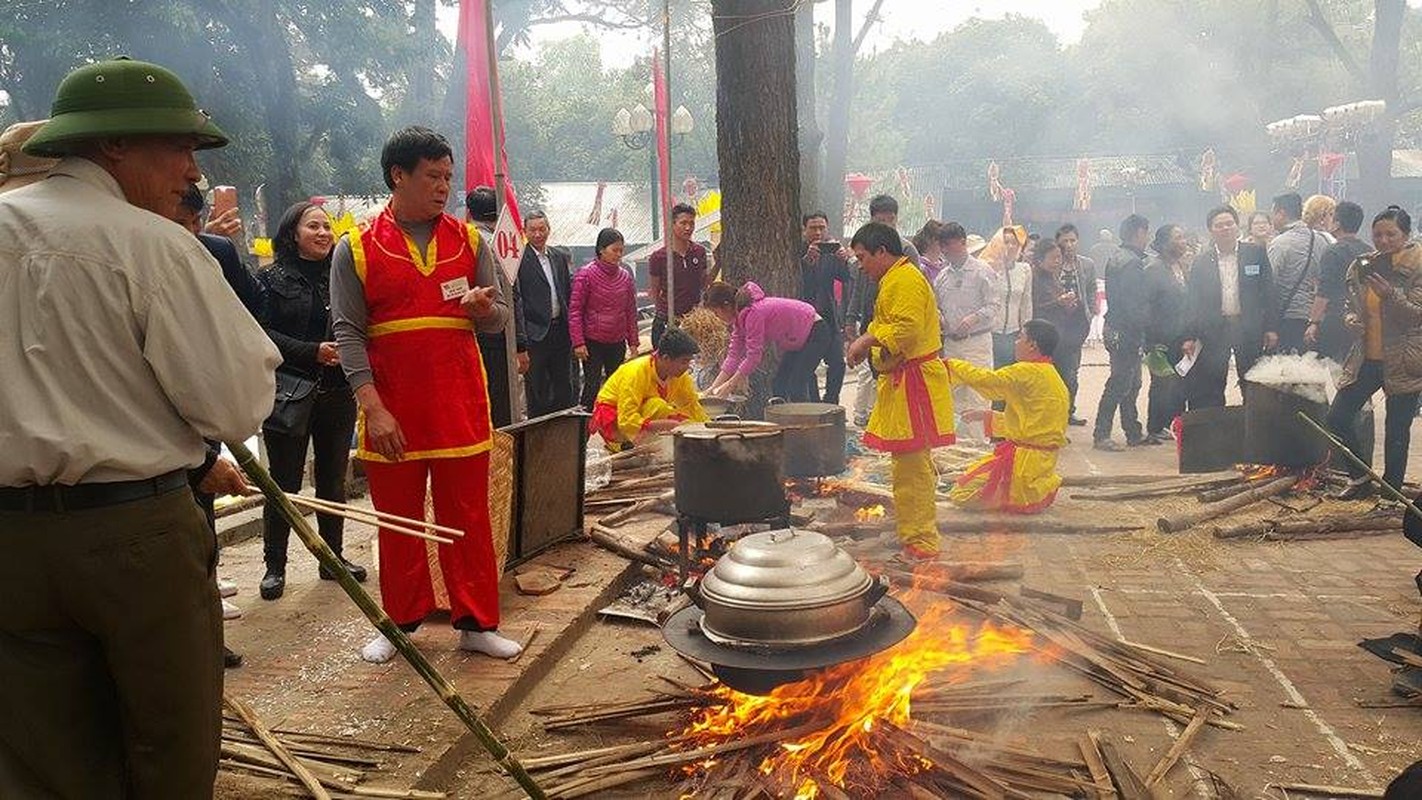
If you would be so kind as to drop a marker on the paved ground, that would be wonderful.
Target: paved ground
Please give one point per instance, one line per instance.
(1277, 624)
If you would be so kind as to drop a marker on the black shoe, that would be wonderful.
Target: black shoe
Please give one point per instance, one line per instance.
(1158, 438)
(356, 571)
(273, 584)
(1076, 421)
(230, 660)
(1418, 580)
(1107, 445)
(1141, 442)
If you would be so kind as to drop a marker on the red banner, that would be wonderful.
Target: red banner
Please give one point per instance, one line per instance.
(478, 124)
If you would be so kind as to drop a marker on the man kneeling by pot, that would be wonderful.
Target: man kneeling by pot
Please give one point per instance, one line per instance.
(649, 395)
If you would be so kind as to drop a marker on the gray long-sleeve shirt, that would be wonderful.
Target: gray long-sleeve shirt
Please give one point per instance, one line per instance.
(1294, 265)
(348, 309)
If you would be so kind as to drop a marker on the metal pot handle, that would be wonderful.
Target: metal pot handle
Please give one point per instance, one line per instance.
(775, 401)
(692, 590)
(877, 590)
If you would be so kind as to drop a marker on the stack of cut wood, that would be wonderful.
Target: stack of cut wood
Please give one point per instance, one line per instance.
(642, 481)
(325, 766)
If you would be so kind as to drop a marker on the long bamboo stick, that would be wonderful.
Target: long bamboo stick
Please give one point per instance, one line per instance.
(1358, 462)
(366, 519)
(383, 623)
(375, 512)
(277, 749)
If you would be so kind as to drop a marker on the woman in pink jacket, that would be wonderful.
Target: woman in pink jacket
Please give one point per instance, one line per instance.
(602, 314)
(792, 326)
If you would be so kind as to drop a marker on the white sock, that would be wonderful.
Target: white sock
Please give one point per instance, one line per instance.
(230, 610)
(379, 650)
(226, 588)
(490, 643)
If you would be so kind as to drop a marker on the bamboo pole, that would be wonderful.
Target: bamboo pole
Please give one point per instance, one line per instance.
(383, 623)
(1178, 749)
(356, 516)
(375, 512)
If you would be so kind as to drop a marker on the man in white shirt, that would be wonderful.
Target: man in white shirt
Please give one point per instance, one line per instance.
(122, 348)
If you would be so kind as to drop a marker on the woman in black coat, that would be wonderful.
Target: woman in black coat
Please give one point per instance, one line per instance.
(314, 402)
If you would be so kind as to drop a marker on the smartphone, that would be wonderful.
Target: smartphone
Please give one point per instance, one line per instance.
(829, 247)
(224, 198)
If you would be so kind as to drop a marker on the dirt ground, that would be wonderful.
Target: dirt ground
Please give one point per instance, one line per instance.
(1276, 623)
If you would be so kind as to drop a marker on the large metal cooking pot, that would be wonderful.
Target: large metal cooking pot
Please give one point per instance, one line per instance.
(814, 439)
(785, 587)
(730, 472)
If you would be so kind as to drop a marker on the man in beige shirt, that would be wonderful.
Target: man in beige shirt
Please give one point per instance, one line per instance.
(122, 348)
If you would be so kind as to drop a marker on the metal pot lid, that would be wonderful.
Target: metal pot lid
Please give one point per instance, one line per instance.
(784, 569)
(813, 411)
(745, 429)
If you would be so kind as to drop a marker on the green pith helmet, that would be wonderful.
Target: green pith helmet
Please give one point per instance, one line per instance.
(121, 97)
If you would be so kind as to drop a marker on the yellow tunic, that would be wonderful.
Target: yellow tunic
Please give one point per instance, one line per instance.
(637, 397)
(1021, 475)
(914, 407)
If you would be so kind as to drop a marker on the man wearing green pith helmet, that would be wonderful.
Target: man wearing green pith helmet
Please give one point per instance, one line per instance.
(121, 348)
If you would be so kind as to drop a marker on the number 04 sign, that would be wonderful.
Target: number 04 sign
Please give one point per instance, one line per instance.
(507, 244)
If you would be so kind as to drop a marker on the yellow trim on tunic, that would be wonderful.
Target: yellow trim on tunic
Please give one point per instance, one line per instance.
(418, 324)
(906, 325)
(633, 389)
(410, 455)
(358, 254)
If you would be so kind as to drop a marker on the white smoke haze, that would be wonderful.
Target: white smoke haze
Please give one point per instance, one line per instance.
(1308, 376)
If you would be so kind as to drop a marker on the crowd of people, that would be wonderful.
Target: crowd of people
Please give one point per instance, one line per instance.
(405, 338)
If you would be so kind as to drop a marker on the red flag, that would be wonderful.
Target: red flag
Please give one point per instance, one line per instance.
(663, 116)
(478, 125)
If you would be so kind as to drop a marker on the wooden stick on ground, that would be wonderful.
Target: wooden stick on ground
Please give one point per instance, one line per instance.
(608, 539)
(619, 517)
(375, 512)
(1188, 519)
(1096, 766)
(1178, 749)
(277, 748)
(1326, 791)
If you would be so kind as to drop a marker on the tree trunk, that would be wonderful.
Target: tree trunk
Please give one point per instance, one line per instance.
(1375, 148)
(837, 116)
(420, 98)
(758, 150)
(811, 136)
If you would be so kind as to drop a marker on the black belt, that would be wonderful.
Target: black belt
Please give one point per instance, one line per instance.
(58, 497)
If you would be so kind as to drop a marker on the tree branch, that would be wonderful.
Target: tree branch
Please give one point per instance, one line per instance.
(1325, 29)
(869, 20)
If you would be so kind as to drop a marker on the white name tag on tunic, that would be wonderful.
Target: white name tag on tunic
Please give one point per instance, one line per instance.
(1251, 270)
(455, 289)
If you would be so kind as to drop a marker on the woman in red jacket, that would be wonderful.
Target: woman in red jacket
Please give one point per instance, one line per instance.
(602, 315)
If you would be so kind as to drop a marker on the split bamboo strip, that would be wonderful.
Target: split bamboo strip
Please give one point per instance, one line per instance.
(345, 741)
(277, 748)
(375, 512)
(382, 621)
(1163, 767)
(1167, 653)
(1327, 791)
(361, 517)
(1100, 776)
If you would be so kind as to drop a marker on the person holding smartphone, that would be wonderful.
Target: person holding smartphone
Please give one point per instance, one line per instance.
(823, 263)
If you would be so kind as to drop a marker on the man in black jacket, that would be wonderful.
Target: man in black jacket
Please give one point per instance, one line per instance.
(546, 285)
(1165, 330)
(1232, 310)
(822, 263)
(1126, 319)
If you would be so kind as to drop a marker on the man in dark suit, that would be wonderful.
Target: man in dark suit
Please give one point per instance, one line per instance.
(547, 286)
(1232, 310)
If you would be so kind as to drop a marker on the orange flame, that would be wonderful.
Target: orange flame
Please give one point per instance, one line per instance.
(869, 513)
(845, 703)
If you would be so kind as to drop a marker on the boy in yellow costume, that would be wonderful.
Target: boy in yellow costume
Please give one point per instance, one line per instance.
(649, 395)
(1021, 474)
(913, 412)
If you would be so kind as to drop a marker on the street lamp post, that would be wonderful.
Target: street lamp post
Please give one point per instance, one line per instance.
(636, 128)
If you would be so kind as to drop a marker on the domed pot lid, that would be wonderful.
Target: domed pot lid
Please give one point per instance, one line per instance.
(784, 569)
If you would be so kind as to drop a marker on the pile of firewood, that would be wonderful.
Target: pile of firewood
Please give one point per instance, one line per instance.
(325, 766)
(642, 481)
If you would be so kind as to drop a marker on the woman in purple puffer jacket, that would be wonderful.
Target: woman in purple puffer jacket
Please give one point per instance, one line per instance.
(602, 315)
(793, 327)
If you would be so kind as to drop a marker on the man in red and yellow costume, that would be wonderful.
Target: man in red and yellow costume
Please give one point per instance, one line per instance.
(649, 396)
(913, 412)
(408, 294)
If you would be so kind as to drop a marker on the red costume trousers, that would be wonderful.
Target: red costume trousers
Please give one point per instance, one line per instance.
(460, 487)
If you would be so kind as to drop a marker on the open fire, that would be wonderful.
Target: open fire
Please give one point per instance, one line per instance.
(843, 727)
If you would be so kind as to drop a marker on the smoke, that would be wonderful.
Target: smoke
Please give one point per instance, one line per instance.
(1308, 376)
